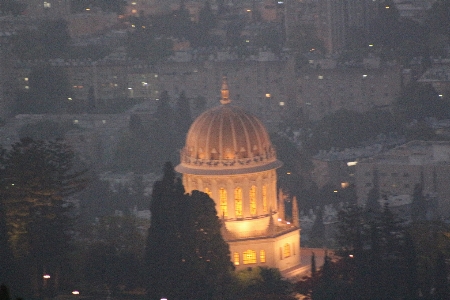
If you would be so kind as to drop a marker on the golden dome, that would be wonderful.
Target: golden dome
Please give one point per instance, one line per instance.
(228, 139)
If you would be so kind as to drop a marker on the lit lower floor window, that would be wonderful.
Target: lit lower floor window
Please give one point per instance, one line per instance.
(249, 257)
(236, 258)
(262, 256)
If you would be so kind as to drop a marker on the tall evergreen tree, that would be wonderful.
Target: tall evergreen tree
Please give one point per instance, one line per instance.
(313, 265)
(6, 257)
(418, 205)
(378, 261)
(373, 196)
(4, 292)
(442, 290)
(183, 119)
(186, 256)
(36, 176)
(318, 229)
(164, 135)
(163, 252)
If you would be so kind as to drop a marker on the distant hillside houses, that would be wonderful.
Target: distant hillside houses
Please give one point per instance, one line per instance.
(401, 168)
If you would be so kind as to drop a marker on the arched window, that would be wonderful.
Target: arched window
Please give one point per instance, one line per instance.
(236, 258)
(287, 250)
(249, 257)
(223, 202)
(262, 256)
(264, 198)
(238, 202)
(208, 192)
(253, 200)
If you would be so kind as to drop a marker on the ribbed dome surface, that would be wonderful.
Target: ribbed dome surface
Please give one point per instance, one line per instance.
(227, 132)
(227, 140)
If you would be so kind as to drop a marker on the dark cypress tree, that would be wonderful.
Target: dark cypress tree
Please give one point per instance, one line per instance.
(163, 251)
(313, 265)
(373, 196)
(206, 19)
(318, 229)
(6, 257)
(4, 292)
(441, 278)
(418, 205)
(206, 258)
(186, 256)
(164, 132)
(410, 268)
(183, 119)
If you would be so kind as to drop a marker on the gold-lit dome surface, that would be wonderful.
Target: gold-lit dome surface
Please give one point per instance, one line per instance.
(228, 139)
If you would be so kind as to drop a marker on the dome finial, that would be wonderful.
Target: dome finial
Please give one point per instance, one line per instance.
(225, 92)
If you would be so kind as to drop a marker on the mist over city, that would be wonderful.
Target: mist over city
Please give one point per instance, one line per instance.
(224, 149)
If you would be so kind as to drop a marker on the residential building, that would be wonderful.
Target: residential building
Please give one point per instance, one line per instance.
(397, 171)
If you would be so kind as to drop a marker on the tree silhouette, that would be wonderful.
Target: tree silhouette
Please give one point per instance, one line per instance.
(35, 179)
(186, 256)
(165, 132)
(373, 197)
(442, 290)
(418, 205)
(183, 119)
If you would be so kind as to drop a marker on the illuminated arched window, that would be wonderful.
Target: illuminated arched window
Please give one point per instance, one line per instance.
(249, 257)
(287, 250)
(238, 202)
(236, 258)
(223, 202)
(262, 256)
(208, 192)
(264, 198)
(253, 200)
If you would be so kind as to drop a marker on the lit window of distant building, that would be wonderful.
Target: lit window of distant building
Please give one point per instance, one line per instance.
(287, 250)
